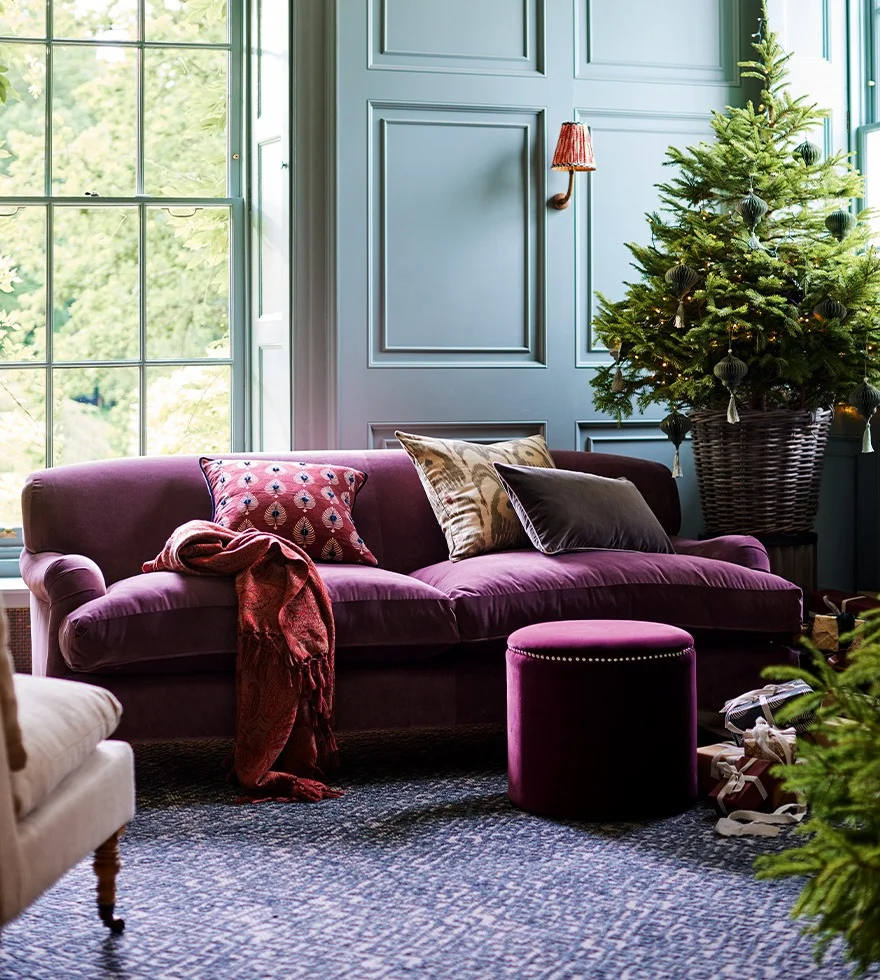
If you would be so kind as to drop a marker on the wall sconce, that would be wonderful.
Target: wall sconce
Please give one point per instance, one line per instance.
(574, 151)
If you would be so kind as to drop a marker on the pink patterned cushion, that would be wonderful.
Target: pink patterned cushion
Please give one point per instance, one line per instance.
(306, 503)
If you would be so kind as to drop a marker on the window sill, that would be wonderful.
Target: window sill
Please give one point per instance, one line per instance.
(14, 594)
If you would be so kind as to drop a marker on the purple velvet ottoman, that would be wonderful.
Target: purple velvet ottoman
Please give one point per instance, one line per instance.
(601, 719)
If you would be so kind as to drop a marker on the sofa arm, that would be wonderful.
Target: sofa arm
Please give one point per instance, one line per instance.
(56, 578)
(60, 584)
(738, 549)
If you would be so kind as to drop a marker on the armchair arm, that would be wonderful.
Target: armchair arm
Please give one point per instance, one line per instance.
(10, 849)
(60, 584)
(738, 549)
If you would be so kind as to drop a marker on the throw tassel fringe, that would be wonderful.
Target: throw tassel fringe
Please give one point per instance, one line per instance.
(312, 677)
(732, 413)
(867, 447)
(676, 466)
(679, 316)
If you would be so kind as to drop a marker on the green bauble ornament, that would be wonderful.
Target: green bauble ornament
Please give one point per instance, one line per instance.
(866, 400)
(676, 426)
(840, 224)
(752, 208)
(808, 152)
(830, 309)
(730, 371)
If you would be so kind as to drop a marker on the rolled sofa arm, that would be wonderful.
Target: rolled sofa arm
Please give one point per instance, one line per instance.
(60, 584)
(738, 549)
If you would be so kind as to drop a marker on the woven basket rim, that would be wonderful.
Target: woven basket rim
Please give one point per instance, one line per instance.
(772, 414)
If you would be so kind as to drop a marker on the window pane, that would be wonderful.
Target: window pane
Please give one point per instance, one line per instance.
(23, 121)
(23, 18)
(187, 283)
(96, 413)
(22, 436)
(186, 20)
(107, 20)
(185, 123)
(95, 314)
(22, 284)
(189, 409)
(94, 121)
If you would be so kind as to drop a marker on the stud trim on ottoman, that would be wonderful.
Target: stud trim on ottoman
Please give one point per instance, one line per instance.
(601, 719)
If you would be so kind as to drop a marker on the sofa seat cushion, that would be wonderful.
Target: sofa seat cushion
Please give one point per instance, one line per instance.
(62, 723)
(495, 594)
(374, 607)
(149, 622)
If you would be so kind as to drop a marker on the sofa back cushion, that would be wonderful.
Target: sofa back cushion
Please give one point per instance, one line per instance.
(120, 512)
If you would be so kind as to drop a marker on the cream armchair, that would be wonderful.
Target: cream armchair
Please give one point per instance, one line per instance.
(64, 790)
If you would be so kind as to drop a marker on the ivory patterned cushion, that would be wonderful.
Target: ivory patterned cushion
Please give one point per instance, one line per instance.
(468, 500)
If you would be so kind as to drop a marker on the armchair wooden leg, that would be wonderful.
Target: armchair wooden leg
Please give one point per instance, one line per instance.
(107, 865)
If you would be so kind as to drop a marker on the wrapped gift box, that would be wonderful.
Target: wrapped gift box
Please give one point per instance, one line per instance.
(845, 601)
(741, 713)
(825, 632)
(708, 757)
(745, 784)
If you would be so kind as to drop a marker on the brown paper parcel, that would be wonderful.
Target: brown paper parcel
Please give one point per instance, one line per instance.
(824, 633)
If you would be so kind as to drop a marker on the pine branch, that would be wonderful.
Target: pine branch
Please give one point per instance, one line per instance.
(838, 773)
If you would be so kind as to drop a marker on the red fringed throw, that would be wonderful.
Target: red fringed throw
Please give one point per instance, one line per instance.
(284, 669)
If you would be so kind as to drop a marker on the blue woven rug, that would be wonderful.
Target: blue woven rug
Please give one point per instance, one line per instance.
(422, 870)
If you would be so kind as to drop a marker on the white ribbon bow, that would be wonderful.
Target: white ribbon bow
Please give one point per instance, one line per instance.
(736, 781)
(765, 741)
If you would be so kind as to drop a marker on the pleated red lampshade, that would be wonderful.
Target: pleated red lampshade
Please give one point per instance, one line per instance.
(574, 148)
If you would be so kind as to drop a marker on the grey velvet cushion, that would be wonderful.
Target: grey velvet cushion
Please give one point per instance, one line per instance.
(562, 510)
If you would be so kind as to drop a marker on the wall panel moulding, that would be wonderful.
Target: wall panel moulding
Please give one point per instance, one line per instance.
(427, 35)
(693, 42)
(381, 434)
(463, 286)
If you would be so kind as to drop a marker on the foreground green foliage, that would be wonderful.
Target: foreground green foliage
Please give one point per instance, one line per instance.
(840, 780)
(759, 298)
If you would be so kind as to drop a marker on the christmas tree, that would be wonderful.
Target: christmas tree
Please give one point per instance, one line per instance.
(838, 773)
(760, 286)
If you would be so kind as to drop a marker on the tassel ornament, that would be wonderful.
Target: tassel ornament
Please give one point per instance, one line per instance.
(866, 400)
(676, 426)
(676, 465)
(679, 316)
(730, 371)
(617, 385)
(682, 278)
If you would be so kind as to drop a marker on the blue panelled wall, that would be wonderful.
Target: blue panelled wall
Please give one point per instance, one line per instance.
(441, 294)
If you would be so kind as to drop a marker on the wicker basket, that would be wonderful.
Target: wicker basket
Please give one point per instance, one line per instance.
(763, 474)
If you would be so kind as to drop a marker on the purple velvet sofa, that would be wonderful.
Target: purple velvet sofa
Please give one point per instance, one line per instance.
(420, 640)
